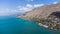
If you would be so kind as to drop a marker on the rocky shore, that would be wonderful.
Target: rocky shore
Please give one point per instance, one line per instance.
(42, 25)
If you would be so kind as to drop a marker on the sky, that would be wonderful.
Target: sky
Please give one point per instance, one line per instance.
(10, 7)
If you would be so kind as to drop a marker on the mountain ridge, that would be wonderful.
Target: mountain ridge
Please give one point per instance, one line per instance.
(47, 16)
(42, 11)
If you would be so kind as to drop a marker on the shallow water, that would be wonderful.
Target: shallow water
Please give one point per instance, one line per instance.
(13, 25)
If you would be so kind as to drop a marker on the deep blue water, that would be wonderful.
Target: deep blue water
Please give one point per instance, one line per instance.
(13, 25)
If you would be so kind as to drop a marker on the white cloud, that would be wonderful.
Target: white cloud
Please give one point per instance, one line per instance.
(28, 7)
(38, 5)
(29, 0)
(5, 12)
(24, 9)
(55, 2)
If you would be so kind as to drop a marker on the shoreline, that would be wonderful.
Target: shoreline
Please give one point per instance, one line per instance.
(43, 25)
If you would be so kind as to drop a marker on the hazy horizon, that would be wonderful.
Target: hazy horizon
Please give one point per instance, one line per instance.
(11, 7)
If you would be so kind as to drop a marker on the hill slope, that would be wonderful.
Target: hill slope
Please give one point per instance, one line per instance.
(41, 12)
(46, 16)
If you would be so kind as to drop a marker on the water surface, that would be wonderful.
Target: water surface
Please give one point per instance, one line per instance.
(13, 25)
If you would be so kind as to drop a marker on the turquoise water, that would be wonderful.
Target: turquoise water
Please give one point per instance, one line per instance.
(13, 25)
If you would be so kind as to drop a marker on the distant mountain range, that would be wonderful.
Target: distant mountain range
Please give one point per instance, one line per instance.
(47, 13)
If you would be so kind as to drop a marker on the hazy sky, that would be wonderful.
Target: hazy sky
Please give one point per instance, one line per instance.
(9, 7)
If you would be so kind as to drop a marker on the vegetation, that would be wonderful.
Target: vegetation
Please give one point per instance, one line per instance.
(57, 27)
(52, 21)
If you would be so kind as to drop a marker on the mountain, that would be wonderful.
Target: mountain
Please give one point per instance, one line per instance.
(41, 12)
(47, 16)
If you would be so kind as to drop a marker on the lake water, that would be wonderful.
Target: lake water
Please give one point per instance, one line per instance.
(13, 25)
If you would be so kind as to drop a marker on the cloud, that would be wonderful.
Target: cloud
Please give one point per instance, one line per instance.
(28, 7)
(38, 5)
(6, 11)
(19, 9)
(55, 2)
(29, 0)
